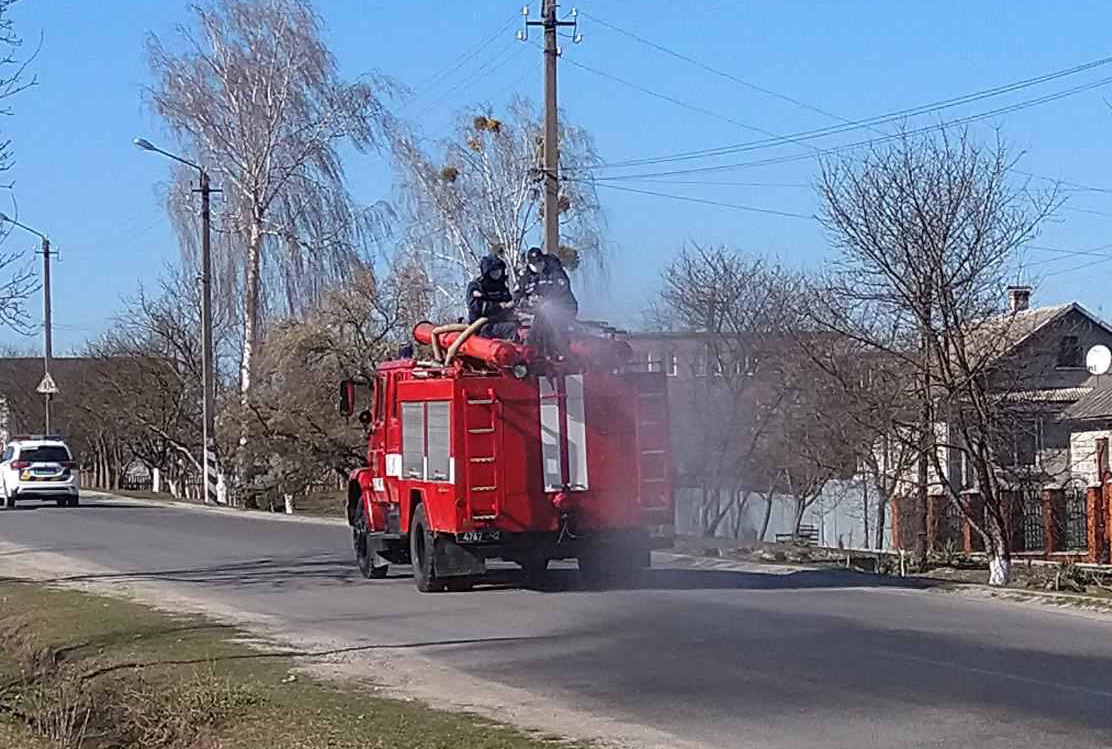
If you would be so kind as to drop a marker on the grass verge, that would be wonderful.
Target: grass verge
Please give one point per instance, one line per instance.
(80, 671)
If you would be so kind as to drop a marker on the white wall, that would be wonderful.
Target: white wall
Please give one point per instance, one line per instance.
(838, 515)
(1083, 454)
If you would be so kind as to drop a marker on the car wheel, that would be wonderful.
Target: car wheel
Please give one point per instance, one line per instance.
(9, 501)
(74, 501)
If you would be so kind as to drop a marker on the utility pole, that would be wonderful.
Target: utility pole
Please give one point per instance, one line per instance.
(208, 430)
(47, 386)
(48, 327)
(551, 118)
(210, 469)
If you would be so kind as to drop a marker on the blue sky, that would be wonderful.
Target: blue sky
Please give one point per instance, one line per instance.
(78, 178)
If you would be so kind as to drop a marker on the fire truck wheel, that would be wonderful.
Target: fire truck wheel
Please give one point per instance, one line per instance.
(366, 559)
(420, 553)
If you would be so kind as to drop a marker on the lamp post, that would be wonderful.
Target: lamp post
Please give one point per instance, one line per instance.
(47, 387)
(208, 436)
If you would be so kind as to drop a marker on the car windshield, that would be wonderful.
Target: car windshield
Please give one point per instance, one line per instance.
(45, 454)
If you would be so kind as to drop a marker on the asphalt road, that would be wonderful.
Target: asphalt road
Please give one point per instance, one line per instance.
(717, 658)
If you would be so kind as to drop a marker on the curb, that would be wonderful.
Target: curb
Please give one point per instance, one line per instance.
(193, 507)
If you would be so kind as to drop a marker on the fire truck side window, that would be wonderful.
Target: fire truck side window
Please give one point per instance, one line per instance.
(413, 441)
(439, 462)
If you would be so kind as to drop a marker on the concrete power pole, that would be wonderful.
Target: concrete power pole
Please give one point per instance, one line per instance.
(48, 328)
(211, 469)
(551, 120)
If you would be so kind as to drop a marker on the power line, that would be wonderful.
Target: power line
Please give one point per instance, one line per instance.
(496, 61)
(874, 141)
(802, 104)
(863, 123)
(673, 100)
(689, 199)
(710, 69)
(460, 61)
(1079, 267)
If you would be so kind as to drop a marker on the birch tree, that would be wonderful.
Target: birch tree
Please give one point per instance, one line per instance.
(481, 192)
(253, 92)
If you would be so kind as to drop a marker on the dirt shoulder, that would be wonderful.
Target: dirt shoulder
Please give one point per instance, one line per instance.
(80, 670)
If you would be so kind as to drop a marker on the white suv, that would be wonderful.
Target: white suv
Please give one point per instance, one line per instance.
(40, 468)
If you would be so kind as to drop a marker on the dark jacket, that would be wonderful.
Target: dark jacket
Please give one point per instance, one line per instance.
(491, 293)
(550, 283)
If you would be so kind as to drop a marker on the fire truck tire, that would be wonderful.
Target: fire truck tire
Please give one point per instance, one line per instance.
(420, 553)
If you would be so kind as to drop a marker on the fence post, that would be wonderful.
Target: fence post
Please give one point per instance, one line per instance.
(971, 540)
(1097, 538)
(1054, 515)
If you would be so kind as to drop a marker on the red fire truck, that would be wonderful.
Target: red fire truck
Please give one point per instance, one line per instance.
(487, 451)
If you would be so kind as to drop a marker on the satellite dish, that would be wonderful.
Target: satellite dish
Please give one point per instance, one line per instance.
(1098, 360)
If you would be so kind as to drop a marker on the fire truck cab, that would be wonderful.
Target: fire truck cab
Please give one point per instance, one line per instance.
(485, 453)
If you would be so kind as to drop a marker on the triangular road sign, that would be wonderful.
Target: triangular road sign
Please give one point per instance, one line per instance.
(47, 386)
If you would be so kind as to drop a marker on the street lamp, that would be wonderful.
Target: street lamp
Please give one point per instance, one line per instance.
(207, 376)
(47, 387)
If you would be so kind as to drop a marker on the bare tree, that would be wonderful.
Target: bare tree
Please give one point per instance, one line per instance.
(254, 92)
(144, 393)
(13, 74)
(302, 441)
(18, 279)
(739, 308)
(929, 227)
(481, 193)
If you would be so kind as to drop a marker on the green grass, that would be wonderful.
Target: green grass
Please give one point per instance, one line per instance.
(161, 681)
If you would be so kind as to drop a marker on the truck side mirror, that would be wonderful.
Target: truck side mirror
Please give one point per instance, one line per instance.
(347, 398)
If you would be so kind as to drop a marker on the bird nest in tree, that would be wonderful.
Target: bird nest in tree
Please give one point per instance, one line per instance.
(569, 257)
(449, 173)
(488, 124)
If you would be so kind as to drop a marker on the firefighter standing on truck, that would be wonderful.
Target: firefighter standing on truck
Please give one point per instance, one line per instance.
(545, 291)
(489, 296)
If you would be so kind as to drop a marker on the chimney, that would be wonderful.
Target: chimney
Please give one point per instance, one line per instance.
(1019, 298)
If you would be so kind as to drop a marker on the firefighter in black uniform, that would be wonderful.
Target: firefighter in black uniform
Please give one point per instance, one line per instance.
(489, 296)
(545, 291)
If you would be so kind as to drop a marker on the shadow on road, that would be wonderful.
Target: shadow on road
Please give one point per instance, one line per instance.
(27, 505)
(328, 569)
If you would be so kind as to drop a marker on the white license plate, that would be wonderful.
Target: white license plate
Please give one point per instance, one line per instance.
(474, 537)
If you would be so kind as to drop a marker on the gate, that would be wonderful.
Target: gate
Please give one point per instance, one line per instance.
(1033, 533)
(1075, 533)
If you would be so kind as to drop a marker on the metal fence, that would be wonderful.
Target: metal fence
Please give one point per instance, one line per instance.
(1032, 529)
(1075, 524)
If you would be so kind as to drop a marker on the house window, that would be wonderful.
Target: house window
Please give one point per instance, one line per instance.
(656, 361)
(1020, 448)
(1069, 352)
(670, 364)
(699, 364)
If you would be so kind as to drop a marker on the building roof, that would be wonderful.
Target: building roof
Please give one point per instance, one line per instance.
(1004, 333)
(1095, 405)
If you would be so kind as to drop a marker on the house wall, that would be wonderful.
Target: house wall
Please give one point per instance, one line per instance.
(1083, 453)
